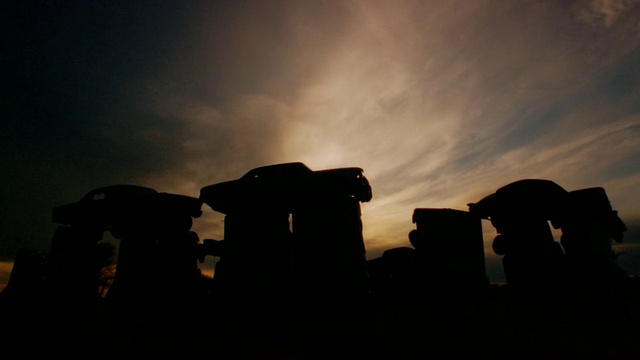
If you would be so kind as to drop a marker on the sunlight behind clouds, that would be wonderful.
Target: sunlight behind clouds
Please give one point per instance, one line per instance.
(439, 103)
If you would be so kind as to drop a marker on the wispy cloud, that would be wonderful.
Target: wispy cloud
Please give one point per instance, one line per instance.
(440, 103)
(604, 12)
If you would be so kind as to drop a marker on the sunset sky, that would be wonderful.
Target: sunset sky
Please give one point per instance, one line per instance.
(440, 102)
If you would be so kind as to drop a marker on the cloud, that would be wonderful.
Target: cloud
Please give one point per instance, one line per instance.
(440, 103)
(604, 12)
(438, 107)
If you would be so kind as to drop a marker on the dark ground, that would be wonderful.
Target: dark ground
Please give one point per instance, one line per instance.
(399, 324)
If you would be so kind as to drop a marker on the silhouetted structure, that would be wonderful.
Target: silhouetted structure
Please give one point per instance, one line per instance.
(440, 281)
(157, 252)
(445, 264)
(257, 238)
(575, 301)
(321, 249)
(520, 212)
(293, 245)
(450, 248)
(589, 227)
(293, 280)
(599, 289)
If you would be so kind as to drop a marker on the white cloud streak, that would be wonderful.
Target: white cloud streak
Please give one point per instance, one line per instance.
(440, 103)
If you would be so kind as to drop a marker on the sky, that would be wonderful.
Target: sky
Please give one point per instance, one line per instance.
(439, 102)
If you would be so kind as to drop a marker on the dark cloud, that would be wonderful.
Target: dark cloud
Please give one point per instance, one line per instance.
(441, 103)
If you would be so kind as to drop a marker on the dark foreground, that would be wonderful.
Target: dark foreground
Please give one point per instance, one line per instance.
(399, 324)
